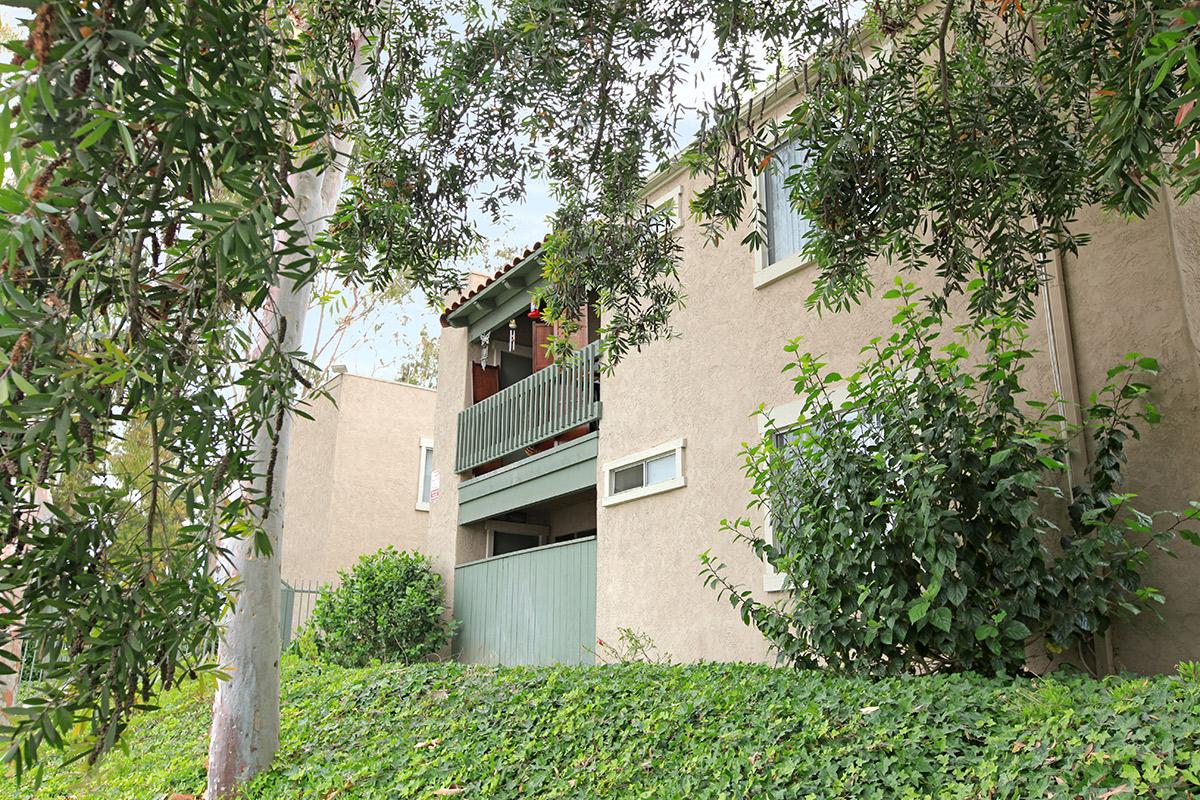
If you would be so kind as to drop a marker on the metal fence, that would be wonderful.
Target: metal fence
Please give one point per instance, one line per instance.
(295, 607)
(30, 671)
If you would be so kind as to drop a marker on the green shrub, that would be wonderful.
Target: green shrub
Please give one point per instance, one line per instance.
(920, 512)
(390, 606)
(697, 732)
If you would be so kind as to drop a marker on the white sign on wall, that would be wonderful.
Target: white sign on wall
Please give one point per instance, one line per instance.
(435, 485)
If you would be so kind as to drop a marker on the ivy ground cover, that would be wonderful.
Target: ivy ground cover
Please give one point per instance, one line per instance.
(651, 731)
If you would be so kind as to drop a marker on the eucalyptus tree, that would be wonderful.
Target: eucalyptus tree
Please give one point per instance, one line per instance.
(172, 168)
(174, 179)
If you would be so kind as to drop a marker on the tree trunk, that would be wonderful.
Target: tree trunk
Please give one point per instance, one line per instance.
(245, 725)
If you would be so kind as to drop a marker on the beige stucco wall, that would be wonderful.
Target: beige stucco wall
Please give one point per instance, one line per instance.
(353, 476)
(449, 543)
(1125, 292)
(1134, 288)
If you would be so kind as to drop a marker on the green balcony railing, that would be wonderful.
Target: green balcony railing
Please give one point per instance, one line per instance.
(547, 403)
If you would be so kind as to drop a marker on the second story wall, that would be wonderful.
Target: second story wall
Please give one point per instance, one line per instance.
(1126, 291)
(354, 476)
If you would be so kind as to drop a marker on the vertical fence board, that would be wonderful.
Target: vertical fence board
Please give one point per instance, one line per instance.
(533, 607)
(295, 607)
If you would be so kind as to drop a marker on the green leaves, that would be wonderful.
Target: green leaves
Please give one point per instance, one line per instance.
(390, 606)
(703, 731)
(986, 631)
(941, 618)
(912, 519)
(148, 150)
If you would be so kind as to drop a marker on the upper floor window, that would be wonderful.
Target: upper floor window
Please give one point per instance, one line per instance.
(671, 201)
(784, 228)
(425, 476)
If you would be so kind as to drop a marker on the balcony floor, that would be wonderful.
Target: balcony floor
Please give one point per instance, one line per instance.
(561, 470)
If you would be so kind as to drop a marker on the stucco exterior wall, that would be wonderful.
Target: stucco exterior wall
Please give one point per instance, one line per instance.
(353, 476)
(1123, 293)
(449, 543)
(1134, 288)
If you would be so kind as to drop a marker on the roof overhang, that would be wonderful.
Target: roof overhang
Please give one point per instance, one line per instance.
(500, 299)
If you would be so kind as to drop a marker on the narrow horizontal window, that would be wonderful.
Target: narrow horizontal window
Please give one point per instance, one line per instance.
(658, 469)
(661, 469)
(629, 478)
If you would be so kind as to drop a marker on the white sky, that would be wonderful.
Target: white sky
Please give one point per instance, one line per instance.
(399, 328)
(13, 15)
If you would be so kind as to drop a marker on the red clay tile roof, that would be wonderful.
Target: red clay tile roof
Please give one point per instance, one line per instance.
(500, 273)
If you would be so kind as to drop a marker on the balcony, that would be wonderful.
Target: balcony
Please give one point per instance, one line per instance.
(547, 404)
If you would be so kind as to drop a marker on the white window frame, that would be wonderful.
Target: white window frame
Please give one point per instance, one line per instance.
(674, 196)
(766, 273)
(779, 419)
(676, 446)
(494, 526)
(425, 451)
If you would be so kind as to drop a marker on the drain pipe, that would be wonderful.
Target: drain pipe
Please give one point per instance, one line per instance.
(1062, 363)
(1066, 386)
(1066, 381)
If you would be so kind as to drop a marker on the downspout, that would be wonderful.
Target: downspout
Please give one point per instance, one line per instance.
(1066, 381)
(1061, 345)
(1062, 363)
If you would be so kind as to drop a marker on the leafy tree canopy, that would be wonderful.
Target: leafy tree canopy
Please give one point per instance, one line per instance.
(151, 148)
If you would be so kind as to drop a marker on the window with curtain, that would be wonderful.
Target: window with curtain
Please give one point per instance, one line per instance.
(425, 476)
(784, 227)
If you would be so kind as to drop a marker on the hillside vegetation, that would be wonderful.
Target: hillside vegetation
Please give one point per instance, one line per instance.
(704, 731)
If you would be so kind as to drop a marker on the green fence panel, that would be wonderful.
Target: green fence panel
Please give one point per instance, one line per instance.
(533, 607)
(295, 607)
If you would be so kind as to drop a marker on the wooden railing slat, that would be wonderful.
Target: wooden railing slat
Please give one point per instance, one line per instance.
(549, 402)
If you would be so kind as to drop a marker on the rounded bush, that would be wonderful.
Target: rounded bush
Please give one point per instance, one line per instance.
(389, 606)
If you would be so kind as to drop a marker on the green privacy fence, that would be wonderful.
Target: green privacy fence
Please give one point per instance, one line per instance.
(532, 607)
(549, 402)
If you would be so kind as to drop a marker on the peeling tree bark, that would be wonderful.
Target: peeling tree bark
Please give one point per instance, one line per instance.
(245, 726)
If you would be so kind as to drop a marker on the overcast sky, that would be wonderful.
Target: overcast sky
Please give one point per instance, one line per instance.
(400, 328)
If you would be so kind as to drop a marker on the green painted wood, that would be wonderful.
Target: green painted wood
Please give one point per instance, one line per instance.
(287, 601)
(533, 607)
(547, 403)
(516, 302)
(499, 300)
(561, 470)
